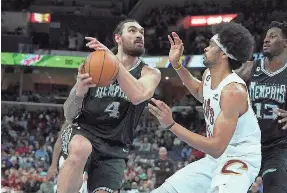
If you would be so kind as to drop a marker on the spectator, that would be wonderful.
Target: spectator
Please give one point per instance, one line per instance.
(259, 183)
(42, 154)
(46, 187)
(134, 188)
(145, 146)
(254, 188)
(80, 41)
(164, 167)
(186, 152)
(142, 174)
(154, 145)
(72, 41)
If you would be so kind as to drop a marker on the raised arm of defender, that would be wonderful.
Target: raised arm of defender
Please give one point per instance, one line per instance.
(193, 84)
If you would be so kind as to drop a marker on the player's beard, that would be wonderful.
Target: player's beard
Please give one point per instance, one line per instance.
(134, 52)
(207, 62)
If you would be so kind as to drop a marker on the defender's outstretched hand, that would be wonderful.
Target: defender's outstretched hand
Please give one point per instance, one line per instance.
(176, 49)
(162, 112)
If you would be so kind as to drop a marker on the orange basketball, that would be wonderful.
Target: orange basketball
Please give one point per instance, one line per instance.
(102, 66)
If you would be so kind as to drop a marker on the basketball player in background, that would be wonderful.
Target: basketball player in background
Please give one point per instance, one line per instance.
(267, 89)
(53, 169)
(58, 161)
(104, 118)
(233, 137)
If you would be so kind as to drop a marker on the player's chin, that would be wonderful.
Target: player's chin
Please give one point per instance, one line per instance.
(139, 50)
(205, 62)
(266, 53)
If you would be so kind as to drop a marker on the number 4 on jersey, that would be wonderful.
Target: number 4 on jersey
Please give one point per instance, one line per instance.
(113, 109)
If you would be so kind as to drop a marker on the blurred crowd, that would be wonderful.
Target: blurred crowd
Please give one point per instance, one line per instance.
(254, 15)
(159, 22)
(55, 96)
(59, 96)
(26, 148)
(28, 138)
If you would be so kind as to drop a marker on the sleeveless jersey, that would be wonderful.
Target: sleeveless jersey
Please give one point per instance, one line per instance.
(246, 138)
(107, 112)
(268, 92)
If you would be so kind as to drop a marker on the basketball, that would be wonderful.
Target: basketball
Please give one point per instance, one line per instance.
(102, 66)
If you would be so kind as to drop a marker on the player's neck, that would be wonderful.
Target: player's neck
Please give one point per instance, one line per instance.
(218, 73)
(127, 61)
(274, 63)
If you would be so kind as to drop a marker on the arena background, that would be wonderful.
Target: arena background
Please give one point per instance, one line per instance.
(43, 45)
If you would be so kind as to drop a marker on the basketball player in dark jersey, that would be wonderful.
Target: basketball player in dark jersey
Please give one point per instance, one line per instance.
(267, 89)
(57, 156)
(53, 169)
(104, 117)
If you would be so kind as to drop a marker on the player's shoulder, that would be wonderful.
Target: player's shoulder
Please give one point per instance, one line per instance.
(150, 70)
(234, 94)
(235, 89)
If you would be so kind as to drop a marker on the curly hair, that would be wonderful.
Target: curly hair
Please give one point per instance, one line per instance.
(237, 40)
(282, 26)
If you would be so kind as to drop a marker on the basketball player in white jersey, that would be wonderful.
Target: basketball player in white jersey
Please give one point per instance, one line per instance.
(232, 145)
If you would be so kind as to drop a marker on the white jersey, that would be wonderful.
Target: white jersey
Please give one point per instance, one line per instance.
(247, 136)
(236, 169)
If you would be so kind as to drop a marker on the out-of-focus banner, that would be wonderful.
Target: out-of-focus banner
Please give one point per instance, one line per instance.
(190, 61)
(41, 60)
(205, 20)
(14, 22)
(40, 17)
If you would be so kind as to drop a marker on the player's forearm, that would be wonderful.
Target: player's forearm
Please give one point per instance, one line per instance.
(73, 105)
(58, 145)
(135, 91)
(204, 144)
(56, 151)
(191, 83)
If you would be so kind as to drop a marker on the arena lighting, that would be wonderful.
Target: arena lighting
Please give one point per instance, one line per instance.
(205, 20)
(40, 18)
(166, 77)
